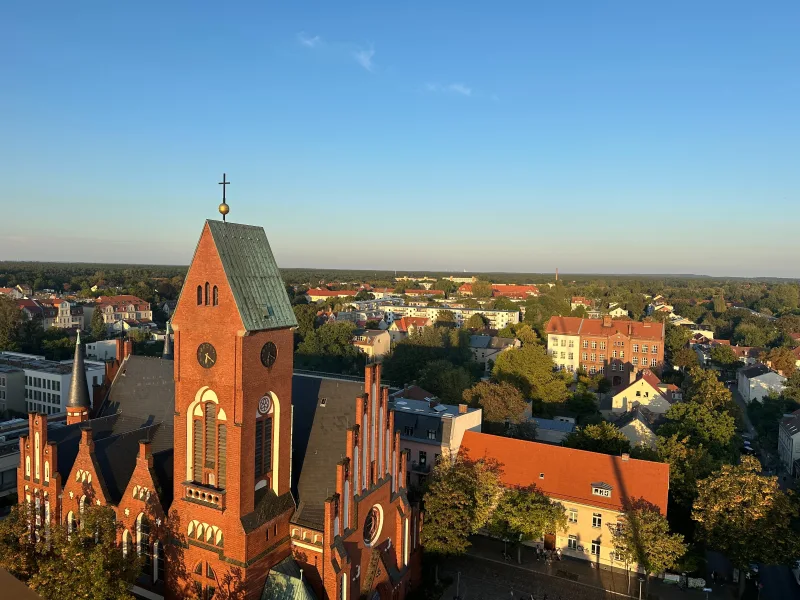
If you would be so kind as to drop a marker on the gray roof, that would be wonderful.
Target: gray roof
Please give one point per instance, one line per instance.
(253, 276)
(167, 352)
(78, 388)
(553, 425)
(755, 371)
(791, 422)
(479, 341)
(319, 436)
(642, 414)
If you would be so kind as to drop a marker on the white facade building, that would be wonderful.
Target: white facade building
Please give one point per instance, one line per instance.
(564, 350)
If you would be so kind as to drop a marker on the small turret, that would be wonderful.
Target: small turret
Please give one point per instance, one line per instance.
(167, 353)
(78, 402)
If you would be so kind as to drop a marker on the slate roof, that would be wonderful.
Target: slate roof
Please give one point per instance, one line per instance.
(755, 371)
(792, 423)
(285, 582)
(78, 388)
(647, 417)
(553, 425)
(68, 439)
(253, 276)
(319, 436)
(116, 456)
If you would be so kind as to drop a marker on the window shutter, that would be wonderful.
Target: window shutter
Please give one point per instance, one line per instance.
(198, 449)
(211, 438)
(259, 447)
(268, 445)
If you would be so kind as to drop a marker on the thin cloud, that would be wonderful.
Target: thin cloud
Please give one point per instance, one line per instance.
(364, 58)
(452, 88)
(308, 41)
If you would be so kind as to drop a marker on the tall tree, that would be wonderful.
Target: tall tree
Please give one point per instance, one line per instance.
(10, 320)
(530, 369)
(481, 289)
(477, 321)
(459, 500)
(445, 317)
(687, 465)
(745, 515)
(703, 425)
(719, 304)
(643, 537)
(602, 437)
(684, 358)
(84, 563)
(525, 334)
(676, 338)
(98, 325)
(724, 356)
(524, 514)
(703, 386)
(780, 359)
(445, 380)
(500, 402)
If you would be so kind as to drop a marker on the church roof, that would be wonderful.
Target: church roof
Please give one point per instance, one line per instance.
(319, 437)
(253, 276)
(285, 582)
(78, 387)
(116, 456)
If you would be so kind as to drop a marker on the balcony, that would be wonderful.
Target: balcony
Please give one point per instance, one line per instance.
(204, 494)
(423, 468)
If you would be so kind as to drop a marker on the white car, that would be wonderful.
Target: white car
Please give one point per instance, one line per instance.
(796, 571)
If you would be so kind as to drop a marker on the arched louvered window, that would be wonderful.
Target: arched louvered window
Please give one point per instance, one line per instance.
(199, 295)
(209, 447)
(208, 296)
(215, 297)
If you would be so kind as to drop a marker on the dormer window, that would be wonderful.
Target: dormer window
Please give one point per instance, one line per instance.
(601, 489)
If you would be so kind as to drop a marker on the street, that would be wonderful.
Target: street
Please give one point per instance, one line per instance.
(779, 583)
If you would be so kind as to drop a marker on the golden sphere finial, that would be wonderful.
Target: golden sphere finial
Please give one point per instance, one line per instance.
(224, 209)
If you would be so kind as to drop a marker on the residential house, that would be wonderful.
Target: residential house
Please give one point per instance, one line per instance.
(747, 354)
(33, 310)
(617, 312)
(617, 349)
(317, 294)
(578, 301)
(553, 431)
(12, 293)
(126, 312)
(405, 326)
(593, 488)
(512, 291)
(429, 430)
(374, 343)
(487, 347)
(646, 391)
(639, 426)
(424, 293)
(757, 381)
(168, 307)
(789, 443)
(497, 318)
(70, 315)
(25, 290)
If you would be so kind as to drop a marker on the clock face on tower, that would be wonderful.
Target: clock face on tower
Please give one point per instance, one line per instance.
(269, 353)
(206, 355)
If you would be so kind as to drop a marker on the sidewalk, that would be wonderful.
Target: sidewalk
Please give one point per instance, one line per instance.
(615, 583)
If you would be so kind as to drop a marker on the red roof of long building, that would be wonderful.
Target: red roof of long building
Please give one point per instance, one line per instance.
(330, 293)
(596, 327)
(570, 474)
(406, 322)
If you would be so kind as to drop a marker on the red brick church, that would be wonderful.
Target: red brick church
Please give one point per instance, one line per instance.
(230, 474)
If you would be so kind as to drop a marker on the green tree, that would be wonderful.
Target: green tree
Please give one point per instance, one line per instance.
(500, 402)
(85, 563)
(780, 359)
(525, 334)
(684, 358)
(584, 406)
(10, 320)
(687, 465)
(503, 303)
(643, 537)
(702, 386)
(445, 317)
(481, 289)
(306, 315)
(791, 391)
(702, 425)
(724, 356)
(477, 321)
(365, 295)
(676, 338)
(602, 437)
(447, 381)
(751, 334)
(524, 514)
(530, 369)
(459, 500)
(745, 515)
(719, 304)
(98, 326)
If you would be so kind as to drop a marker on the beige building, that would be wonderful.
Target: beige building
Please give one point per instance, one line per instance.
(639, 426)
(375, 343)
(497, 318)
(591, 487)
(70, 315)
(486, 347)
(116, 309)
(647, 391)
(564, 349)
(429, 430)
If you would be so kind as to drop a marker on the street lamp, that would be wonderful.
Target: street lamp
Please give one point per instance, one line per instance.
(641, 581)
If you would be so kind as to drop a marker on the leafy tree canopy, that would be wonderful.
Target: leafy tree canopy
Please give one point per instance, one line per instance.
(500, 401)
(602, 437)
(530, 369)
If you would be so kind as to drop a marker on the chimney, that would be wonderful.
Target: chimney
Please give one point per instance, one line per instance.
(630, 329)
(462, 409)
(128, 348)
(606, 320)
(120, 350)
(86, 437)
(145, 452)
(625, 457)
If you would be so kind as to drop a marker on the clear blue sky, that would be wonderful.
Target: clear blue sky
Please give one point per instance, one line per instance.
(621, 136)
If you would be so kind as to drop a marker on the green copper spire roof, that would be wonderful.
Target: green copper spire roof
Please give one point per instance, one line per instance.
(253, 276)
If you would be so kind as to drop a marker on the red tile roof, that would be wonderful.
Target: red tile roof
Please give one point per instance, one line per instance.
(581, 300)
(424, 292)
(505, 289)
(746, 351)
(406, 322)
(568, 473)
(595, 327)
(330, 293)
(6, 290)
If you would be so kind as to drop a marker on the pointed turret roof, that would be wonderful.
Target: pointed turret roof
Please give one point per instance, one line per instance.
(78, 388)
(167, 353)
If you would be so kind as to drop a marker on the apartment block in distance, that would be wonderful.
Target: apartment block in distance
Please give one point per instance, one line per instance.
(618, 349)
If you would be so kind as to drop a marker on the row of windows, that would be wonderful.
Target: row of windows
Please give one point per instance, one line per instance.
(207, 298)
(45, 384)
(597, 518)
(48, 410)
(42, 396)
(2, 382)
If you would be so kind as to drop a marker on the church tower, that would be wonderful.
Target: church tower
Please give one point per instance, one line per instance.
(78, 403)
(233, 352)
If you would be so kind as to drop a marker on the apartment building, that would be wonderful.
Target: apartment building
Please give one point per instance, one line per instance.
(374, 343)
(12, 388)
(125, 308)
(497, 318)
(618, 349)
(317, 294)
(46, 382)
(513, 291)
(429, 430)
(592, 487)
(69, 315)
(789, 442)
(33, 310)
